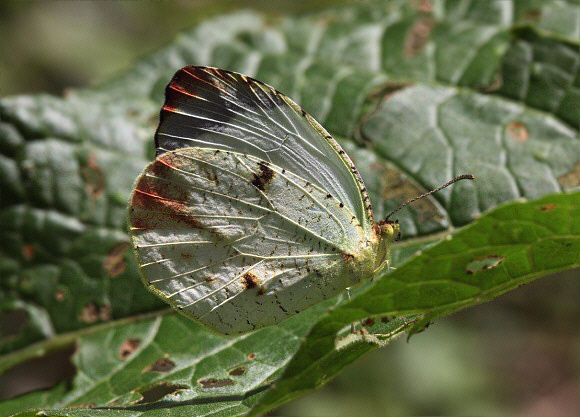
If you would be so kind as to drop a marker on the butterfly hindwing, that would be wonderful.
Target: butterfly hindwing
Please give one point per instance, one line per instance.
(238, 242)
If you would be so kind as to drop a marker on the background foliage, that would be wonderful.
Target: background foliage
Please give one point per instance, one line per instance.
(427, 90)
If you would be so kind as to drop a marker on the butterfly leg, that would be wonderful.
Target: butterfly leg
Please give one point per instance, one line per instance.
(348, 295)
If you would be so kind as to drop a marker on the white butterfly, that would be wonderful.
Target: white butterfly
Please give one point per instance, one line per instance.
(251, 211)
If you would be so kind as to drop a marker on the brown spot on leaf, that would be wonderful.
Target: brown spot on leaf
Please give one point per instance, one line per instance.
(251, 356)
(397, 188)
(548, 207)
(216, 383)
(93, 177)
(264, 177)
(571, 178)
(115, 263)
(423, 6)
(532, 14)
(495, 85)
(368, 322)
(130, 346)
(387, 90)
(484, 263)
(60, 295)
(158, 391)
(250, 280)
(239, 371)
(161, 365)
(417, 35)
(27, 251)
(92, 312)
(517, 130)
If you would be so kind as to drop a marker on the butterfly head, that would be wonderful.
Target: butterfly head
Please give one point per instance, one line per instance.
(387, 232)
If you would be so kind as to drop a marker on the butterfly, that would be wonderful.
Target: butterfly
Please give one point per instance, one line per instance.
(251, 212)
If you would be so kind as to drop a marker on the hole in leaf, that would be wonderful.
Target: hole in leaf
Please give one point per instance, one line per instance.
(239, 371)
(480, 264)
(38, 373)
(161, 365)
(215, 383)
(130, 346)
(156, 392)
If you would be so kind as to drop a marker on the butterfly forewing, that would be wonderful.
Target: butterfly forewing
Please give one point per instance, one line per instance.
(238, 242)
(213, 108)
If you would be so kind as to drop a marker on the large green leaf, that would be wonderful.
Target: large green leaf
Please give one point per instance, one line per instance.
(128, 363)
(429, 91)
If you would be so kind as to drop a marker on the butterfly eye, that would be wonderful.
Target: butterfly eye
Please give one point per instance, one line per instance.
(390, 230)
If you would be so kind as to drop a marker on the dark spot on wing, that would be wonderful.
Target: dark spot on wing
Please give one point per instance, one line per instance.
(264, 177)
(250, 280)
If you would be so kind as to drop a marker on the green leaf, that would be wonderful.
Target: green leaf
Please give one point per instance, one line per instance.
(488, 88)
(436, 133)
(545, 75)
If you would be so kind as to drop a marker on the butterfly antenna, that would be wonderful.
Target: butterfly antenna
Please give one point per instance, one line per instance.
(458, 178)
